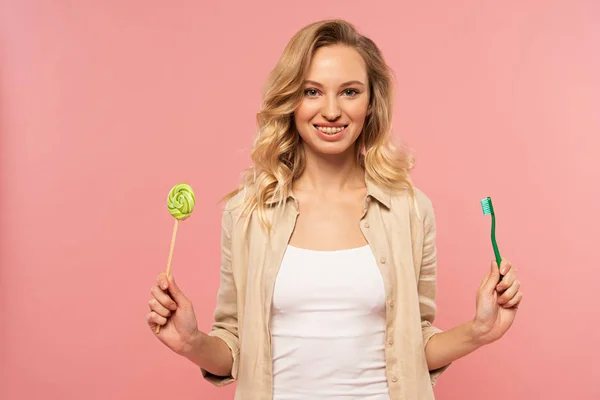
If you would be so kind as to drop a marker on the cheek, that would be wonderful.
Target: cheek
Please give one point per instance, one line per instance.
(358, 111)
(305, 112)
(302, 116)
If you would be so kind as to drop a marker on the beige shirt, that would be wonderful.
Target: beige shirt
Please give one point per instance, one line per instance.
(401, 233)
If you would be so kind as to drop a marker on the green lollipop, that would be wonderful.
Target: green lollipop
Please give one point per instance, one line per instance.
(181, 202)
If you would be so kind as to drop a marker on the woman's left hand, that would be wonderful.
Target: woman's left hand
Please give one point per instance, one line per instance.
(497, 303)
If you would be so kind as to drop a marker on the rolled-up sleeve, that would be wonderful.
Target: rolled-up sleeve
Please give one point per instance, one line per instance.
(428, 280)
(225, 324)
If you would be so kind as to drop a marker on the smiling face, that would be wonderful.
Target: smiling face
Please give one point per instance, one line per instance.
(335, 105)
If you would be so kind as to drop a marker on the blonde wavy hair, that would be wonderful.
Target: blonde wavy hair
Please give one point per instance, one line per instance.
(277, 154)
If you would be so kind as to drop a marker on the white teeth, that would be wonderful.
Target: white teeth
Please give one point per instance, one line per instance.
(330, 130)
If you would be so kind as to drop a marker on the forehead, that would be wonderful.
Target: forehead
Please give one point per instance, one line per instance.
(333, 65)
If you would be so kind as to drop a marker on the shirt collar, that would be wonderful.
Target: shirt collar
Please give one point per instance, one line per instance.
(277, 199)
(374, 190)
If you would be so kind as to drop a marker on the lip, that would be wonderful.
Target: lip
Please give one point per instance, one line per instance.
(331, 138)
(330, 124)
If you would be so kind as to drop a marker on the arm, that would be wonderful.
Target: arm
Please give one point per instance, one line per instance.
(436, 346)
(211, 354)
(217, 352)
(447, 347)
(495, 309)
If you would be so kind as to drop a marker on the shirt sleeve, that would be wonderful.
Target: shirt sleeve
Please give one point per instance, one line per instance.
(428, 281)
(225, 324)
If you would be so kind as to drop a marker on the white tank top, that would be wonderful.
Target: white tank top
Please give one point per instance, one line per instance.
(328, 326)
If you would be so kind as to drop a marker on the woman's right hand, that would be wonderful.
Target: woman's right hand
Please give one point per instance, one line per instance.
(174, 313)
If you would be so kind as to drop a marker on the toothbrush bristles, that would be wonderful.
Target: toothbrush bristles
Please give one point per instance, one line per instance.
(486, 206)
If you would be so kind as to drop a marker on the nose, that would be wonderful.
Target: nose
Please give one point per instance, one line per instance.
(331, 109)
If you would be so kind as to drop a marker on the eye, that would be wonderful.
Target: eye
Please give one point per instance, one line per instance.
(311, 92)
(350, 92)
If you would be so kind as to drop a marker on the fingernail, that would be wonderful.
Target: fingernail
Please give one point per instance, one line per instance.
(163, 286)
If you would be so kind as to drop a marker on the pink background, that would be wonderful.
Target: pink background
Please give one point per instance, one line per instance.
(105, 105)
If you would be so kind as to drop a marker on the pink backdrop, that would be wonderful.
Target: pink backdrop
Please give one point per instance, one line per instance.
(105, 105)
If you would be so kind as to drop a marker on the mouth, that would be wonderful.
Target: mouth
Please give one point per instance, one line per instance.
(330, 130)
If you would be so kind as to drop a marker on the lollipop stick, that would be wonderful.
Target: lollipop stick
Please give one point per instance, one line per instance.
(172, 247)
(170, 257)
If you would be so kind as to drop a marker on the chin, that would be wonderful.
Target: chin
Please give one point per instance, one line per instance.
(331, 148)
(334, 150)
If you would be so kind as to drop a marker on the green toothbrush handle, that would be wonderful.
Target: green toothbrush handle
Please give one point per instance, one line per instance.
(495, 245)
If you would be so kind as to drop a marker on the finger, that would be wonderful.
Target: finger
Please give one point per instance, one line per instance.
(149, 321)
(493, 278)
(505, 266)
(162, 281)
(509, 278)
(485, 279)
(509, 293)
(515, 302)
(159, 308)
(176, 293)
(163, 298)
(154, 319)
(487, 276)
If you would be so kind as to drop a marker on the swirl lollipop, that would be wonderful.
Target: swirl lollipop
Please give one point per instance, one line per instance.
(181, 202)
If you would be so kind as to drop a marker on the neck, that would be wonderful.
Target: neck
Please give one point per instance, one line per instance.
(330, 173)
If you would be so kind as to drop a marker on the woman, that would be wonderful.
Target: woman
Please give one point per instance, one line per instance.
(328, 272)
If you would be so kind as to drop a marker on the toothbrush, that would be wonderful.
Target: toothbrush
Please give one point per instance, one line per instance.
(488, 208)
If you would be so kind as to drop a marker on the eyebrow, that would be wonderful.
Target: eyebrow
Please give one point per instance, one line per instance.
(349, 83)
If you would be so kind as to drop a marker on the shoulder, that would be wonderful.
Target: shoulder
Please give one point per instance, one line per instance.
(423, 202)
(234, 203)
(232, 210)
(420, 205)
(425, 212)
